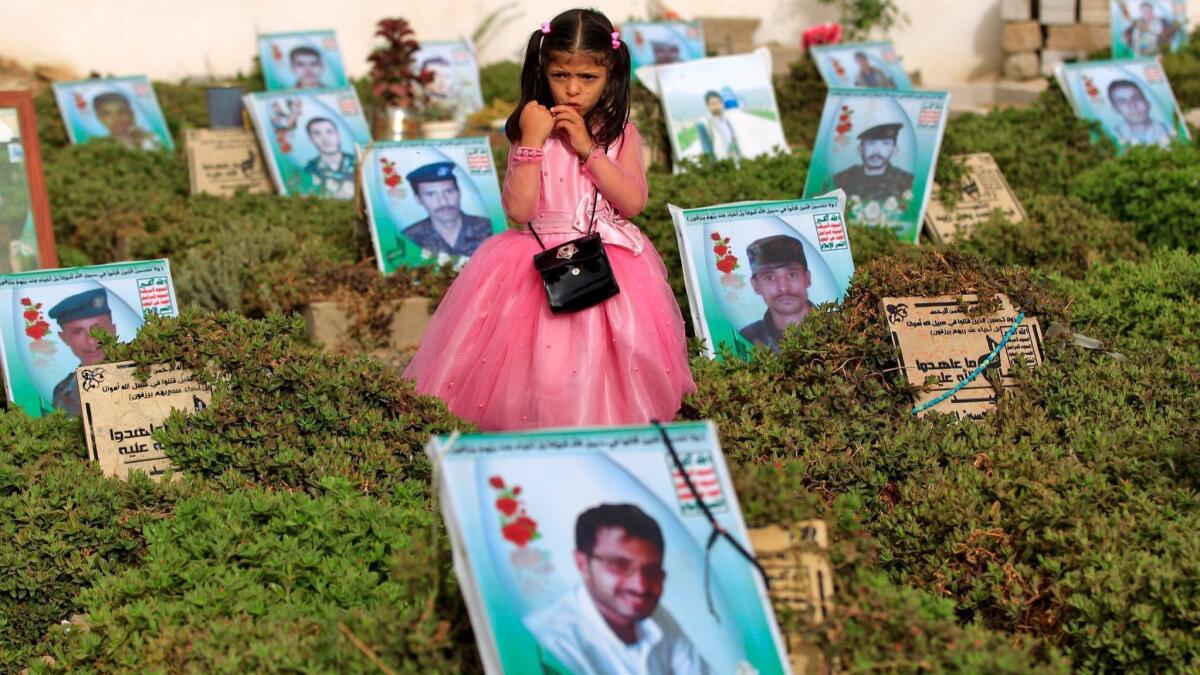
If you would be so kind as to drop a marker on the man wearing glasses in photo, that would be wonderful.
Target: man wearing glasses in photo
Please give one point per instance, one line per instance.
(611, 623)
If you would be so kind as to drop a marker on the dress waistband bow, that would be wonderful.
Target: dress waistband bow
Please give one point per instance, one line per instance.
(613, 228)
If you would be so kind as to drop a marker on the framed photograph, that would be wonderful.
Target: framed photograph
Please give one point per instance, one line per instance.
(46, 319)
(1131, 99)
(881, 147)
(124, 109)
(455, 75)
(307, 59)
(25, 229)
(754, 268)
(430, 202)
(867, 65)
(1147, 27)
(722, 107)
(657, 43)
(583, 551)
(308, 139)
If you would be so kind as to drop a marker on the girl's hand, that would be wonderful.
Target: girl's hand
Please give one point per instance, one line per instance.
(568, 121)
(536, 124)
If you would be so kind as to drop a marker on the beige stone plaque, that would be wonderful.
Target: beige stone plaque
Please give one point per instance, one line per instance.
(120, 414)
(985, 191)
(938, 339)
(801, 580)
(222, 160)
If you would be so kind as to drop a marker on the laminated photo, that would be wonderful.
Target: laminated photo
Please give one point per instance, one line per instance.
(46, 320)
(584, 551)
(124, 109)
(722, 107)
(1147, 27)
(657, 43)
(301, 60)
(308, 138)
(868, 65)
(430, 202)
(881, 148)
(26, 234)
(1131, 99)
(754, 268)
(455, 73)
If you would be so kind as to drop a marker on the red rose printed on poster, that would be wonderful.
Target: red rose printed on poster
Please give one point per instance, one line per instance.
(276, 52)
(1154, 74)
(80, 102)
(347, 105)
(37, 329)
(531, 565)
(726, 262)
(141, 89)
(1089, 87)
(391, 178)
(515, 524)
(845, 125)
(329, 44)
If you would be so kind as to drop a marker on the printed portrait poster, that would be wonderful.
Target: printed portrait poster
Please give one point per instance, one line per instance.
(753, 269)
(18, 226)
(1131, 100)
(657, 43)
(124, 109)
(301, 60)
(722, 107)
(308, 138)
(867, 65)
(1148, 27)
(455, 72)
(515, 505)
(430, 202)
(46, 319)
(880, 147)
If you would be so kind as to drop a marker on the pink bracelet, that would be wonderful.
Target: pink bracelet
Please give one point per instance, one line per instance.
(523, 153)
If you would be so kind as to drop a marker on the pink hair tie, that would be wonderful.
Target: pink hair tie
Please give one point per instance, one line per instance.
(616, 39)
(546, 28)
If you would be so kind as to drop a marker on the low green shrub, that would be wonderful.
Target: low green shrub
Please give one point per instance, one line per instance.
(1061, 234)
(62, 526)
(260, 581)
(284, 414)
(1156, 193)
(1039, 149)
(1183, 72)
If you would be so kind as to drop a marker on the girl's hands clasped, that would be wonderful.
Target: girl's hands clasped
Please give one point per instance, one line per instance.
(569, 122)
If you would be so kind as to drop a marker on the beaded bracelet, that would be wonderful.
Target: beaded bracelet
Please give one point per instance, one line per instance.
(523, 153)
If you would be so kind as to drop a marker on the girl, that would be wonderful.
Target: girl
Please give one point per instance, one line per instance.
(494, 352)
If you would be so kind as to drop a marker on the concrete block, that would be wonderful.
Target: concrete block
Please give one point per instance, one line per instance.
(783, 56)
(1094, 12)
(1067, 38)
(1057, 12)
(327, 324)
(1021, 36)
(1052, 57)
(1016, 10)
(1021, 66)
(724, 36)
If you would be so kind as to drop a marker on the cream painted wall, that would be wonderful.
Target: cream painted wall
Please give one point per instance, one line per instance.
(947, 40)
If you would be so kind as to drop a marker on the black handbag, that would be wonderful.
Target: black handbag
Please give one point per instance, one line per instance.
(576, 273)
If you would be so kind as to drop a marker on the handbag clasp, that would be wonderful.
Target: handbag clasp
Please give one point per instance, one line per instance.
(567, 252)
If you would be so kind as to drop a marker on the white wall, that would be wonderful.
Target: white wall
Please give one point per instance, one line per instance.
(947, 40)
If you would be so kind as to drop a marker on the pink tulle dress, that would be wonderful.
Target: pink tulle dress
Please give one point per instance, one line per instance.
(497, 355)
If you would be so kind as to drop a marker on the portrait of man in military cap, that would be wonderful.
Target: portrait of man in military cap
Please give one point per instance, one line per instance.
(77, 315)
(870, 76)
(446, 229)
(779, 274)
(875, 179)
(332, 170)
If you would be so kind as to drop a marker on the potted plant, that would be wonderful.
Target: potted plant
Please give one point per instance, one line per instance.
(394, 81)
(439, 120)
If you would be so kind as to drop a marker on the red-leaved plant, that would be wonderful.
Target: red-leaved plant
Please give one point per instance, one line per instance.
(823, 34)
(392, 76)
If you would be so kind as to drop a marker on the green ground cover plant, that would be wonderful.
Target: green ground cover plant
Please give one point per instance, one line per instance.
(1057, 534)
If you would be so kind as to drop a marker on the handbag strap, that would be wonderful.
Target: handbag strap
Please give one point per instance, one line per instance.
(591, 219)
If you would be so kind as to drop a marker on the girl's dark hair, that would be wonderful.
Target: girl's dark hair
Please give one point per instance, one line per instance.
(575, 31)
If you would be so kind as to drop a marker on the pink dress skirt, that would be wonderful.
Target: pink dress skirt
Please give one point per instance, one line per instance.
(497, 355)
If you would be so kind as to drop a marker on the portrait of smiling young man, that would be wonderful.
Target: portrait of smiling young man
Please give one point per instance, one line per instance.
(611, 623)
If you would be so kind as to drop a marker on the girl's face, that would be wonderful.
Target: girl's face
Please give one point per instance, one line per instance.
(576, 79)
